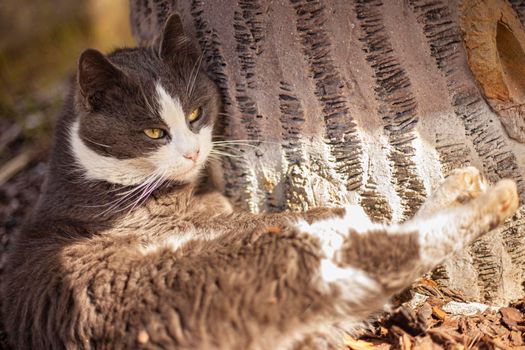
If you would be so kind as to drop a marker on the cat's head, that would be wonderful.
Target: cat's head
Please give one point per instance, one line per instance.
(144, 113)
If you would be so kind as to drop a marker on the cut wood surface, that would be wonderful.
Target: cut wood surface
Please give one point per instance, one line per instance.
(364, 102)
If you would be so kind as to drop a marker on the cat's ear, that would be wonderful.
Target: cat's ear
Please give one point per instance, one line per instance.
(96, 74)
(174, 42)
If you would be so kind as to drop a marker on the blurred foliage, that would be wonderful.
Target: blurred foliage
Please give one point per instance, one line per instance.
(40, 41)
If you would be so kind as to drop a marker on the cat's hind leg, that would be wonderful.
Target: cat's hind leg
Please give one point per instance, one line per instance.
(452, 229)
(365, 268)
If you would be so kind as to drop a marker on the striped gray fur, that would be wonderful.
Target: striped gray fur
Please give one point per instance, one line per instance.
(369, 102)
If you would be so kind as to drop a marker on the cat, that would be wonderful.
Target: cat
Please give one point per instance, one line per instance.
(123, 251)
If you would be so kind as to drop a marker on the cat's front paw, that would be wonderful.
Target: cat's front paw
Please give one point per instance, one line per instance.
(503, 200)
(468, 183)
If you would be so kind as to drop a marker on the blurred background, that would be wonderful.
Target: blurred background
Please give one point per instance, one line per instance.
(40, 41)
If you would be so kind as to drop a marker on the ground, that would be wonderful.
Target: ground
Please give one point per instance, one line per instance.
(426, 325)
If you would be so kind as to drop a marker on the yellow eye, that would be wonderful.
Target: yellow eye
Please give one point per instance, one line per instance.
(154, 133)
(195, 115)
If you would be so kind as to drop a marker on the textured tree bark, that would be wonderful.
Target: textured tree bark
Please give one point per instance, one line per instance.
(369, 102)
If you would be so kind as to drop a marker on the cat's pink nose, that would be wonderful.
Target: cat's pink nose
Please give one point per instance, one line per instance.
(192, 155)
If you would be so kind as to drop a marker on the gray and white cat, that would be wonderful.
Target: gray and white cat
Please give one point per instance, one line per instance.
(123, 252)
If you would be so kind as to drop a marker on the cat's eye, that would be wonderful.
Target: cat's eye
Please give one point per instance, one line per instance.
(195, 115)
(155, 133)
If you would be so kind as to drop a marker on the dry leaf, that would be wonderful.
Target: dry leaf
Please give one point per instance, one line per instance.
(428, 282)
(424, 343)
(405, 342)
(436, 311)
(355, 344)
(511, 316)
(516, 338)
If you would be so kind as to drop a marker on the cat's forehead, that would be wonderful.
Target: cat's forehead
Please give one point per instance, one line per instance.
(139, 62)
(145, 68)
(169, 108)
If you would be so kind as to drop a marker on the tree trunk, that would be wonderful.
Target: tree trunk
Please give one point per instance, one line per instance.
(369, 102)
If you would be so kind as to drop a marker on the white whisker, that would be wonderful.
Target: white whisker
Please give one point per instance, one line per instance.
(128, 195)
(189, 85)
(226, 154)
(146, 101)
(196, 75)
(246, 141)
(136, 188)
(233, 146)
(84, 138)
(147, 192)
